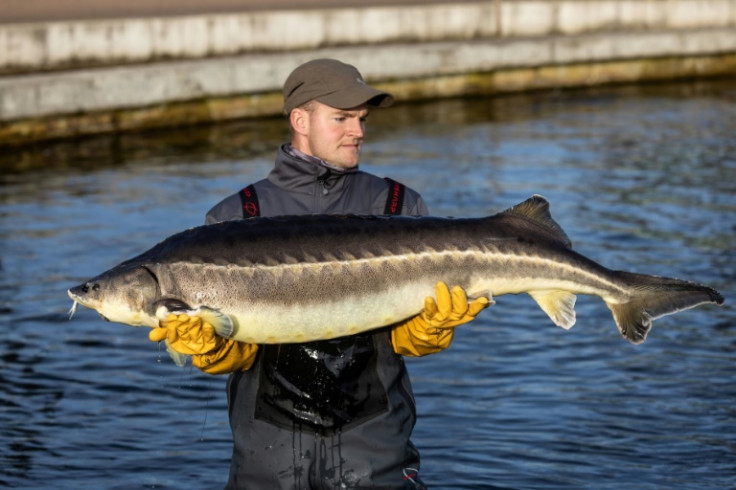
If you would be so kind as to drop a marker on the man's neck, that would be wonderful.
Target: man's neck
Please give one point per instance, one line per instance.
(296, 153)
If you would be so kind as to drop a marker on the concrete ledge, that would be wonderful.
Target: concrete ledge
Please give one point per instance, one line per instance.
(74, 44)
(24, 96)
(72, 78)
(215, 109)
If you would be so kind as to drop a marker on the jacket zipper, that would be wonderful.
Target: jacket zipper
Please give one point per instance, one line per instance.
(321, 188)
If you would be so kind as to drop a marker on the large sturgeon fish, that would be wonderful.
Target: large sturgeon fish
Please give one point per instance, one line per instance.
(304, 278)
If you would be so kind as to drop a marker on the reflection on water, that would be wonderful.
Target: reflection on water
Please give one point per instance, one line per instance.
(641, 178)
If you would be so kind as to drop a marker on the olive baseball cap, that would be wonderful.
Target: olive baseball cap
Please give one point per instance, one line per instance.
(331, 82)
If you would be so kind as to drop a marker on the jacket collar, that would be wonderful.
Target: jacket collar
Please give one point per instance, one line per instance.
(295, 169)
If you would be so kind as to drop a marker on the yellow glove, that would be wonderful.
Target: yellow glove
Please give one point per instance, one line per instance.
(432, 330)
(210, 352)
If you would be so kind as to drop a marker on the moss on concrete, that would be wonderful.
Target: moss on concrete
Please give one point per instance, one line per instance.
(209, 110)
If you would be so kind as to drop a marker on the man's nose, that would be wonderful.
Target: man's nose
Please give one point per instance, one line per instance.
(357, 128)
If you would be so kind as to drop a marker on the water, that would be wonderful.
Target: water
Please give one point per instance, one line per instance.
(641, 178)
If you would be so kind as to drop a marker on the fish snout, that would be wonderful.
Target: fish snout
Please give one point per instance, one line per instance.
(83, 290)
(90, 286)
(86, 294)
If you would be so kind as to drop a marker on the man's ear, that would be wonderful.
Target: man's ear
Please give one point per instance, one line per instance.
(299, 119)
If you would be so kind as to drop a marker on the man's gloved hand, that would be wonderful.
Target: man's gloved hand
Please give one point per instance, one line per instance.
(190, 335)
(186, 334)
(432, 330)
(450, 310)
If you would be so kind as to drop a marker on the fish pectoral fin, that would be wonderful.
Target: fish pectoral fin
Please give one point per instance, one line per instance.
(178, 358)
(223, 323)
(165, 306)
(559, 305)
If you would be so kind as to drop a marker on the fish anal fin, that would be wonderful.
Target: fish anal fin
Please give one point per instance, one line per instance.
(536, 209)
(558, 305)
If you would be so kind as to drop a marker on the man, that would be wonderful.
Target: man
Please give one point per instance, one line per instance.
(337, 413)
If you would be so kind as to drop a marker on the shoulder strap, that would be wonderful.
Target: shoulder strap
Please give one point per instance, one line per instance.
(395, 199)
(249, 199)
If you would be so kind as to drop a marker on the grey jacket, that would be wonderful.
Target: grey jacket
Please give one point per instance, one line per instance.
(354, 385)
(300, 186)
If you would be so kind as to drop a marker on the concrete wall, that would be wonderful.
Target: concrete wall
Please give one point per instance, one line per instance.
(61, 79)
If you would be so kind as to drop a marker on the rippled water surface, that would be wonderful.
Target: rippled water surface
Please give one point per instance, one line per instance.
(641, 178)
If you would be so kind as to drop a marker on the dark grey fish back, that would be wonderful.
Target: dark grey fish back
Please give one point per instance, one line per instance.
(312, 238)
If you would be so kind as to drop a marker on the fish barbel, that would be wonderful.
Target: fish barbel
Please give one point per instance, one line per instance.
(304, 278)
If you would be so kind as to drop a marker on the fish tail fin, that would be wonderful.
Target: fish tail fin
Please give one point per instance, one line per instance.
(653, 297)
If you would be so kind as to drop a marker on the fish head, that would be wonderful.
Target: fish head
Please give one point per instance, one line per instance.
(124, 294)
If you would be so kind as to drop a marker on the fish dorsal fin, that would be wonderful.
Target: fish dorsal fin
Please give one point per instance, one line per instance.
(536, 209)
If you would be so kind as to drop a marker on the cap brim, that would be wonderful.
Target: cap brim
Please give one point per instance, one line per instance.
(357, 96)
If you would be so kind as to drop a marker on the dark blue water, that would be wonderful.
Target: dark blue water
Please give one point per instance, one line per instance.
(641, 178)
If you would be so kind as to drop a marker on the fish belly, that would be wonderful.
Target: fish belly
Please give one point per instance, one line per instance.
(278, 322)
(316, 301)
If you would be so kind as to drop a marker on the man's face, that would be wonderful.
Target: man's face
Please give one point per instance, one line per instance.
(335, 135)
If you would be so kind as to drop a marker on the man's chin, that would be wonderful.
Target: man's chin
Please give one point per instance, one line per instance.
(350, 160)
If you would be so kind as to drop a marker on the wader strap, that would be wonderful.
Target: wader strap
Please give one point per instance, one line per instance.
(395, 199)
(250, 202)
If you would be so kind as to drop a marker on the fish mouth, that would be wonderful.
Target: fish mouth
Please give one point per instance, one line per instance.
(79, 300)
(77, 295)
(76, 301)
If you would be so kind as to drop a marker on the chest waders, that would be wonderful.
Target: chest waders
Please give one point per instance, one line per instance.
(323, 386)
(335, 414)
